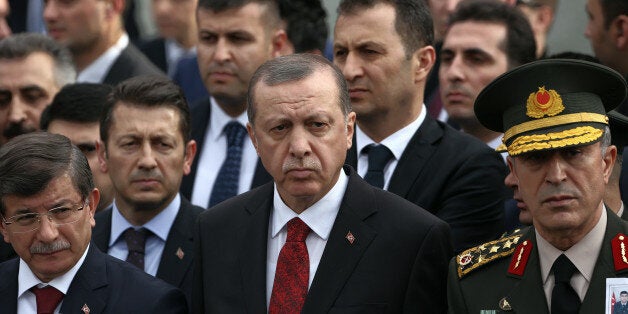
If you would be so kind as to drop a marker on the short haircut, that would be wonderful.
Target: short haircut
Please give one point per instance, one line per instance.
(30, 161)
(538, 3)
(413, 20)
(611, 9)
(520, 46)
(271, 16)
(306, 22)
(146, 91)
(293, 68)
(79, 102)
(623, 292)
(20, 46)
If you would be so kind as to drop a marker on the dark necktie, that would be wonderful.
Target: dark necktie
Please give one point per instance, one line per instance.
(379, 155)
(293, 271)
(226, 184)
(136, 242)
(564, 298)
(47, 299)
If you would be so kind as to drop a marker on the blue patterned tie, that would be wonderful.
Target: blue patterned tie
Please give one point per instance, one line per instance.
(226, 184)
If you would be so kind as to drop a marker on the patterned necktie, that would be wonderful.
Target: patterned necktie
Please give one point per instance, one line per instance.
(226, 184)
(47, 299)
(564, 298)
(136, 242)
(379, 155)
(293, 271)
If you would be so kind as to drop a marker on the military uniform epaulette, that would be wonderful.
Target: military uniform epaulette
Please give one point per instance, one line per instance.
(481, 255)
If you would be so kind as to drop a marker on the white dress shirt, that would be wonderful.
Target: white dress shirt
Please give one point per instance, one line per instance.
(26, 300)
(97, 70)
(160, 226)
(396, 142)
(214, 152)
(583, 255)
(319, 217)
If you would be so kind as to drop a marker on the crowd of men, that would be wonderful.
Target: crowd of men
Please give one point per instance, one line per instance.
(427, 156)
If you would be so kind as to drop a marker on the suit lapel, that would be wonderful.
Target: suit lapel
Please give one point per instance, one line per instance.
(8, 285)
(200, 122)
(594, 300)
(340, 256)
(252, 257)
(176, 259)
(102, 231)
(87, 287)
(528, 296)
(414, 157)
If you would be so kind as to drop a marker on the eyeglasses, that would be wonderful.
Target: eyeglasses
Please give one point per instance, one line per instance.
(32, 221)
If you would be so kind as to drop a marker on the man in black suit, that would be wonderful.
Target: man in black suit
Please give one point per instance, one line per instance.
(47, 205)
(176, 24)
(235, 38)
(93, 31)
(454, 176)
(318, 239)
(147, 149)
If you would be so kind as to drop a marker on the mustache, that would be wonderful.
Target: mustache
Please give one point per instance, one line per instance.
(222, 67)
(44, 248)
(301, 163)
(458, 88)
(146, 175)
(558, 190)
(15, 129)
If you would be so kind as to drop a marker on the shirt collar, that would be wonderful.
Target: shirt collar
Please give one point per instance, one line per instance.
(160, 225)
(219, 119)
(319, 217)
(95, 72)
(26, 279)
(583, 254)
(397, 141)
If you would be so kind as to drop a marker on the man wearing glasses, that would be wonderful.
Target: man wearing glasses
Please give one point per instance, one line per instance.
(47, 206)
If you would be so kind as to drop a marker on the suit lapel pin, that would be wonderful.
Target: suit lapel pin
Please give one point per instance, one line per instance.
(180, 253)
(350, 237)
(618, 245)
(504, 305)
(85, 309)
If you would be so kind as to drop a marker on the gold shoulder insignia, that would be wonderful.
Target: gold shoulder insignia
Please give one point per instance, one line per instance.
(481, 255)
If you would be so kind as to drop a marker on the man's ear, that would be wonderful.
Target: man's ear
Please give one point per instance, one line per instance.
(280, 44)
(620, 27)
(423, 60)
(102, 156)
(251, 131)
(609, 159)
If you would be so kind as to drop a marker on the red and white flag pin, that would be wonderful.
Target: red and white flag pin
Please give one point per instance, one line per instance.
(85, 308)
(350, 237)
(180, 253)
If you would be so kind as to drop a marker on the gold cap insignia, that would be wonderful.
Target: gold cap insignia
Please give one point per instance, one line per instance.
(544, 103)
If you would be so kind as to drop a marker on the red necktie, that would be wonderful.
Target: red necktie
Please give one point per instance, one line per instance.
(47, 299)
(293, 271)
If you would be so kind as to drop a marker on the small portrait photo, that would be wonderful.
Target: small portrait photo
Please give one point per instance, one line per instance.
(616, 296)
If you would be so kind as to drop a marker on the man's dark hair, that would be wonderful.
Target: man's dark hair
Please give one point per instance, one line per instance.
(520, 46)
(611, 9)
(271, 15)
(22, 45)
(146, 91)
(80, 103)
(30, 161)
(623, 292)
(413, 21)
(292, 68)
(306, 24)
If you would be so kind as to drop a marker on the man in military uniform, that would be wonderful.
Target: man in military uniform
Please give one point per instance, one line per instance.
(621, 307)
(556, 131)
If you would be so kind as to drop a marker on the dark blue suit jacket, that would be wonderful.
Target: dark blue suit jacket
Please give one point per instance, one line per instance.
(396, 264)
(172, 269)
(106, 285)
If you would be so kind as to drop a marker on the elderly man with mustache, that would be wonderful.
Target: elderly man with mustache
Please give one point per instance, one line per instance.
(147, 149)
(47, 206)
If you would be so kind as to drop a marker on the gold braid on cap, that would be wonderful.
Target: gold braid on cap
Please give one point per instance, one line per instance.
(554, 121)
(571, 137)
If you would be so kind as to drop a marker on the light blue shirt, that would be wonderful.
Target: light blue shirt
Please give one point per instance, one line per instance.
(160, 227)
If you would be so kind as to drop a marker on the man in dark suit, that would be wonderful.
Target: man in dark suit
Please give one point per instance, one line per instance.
(147, 149)
(454, 176)
(47, 205)
(176, 24)
(226, 64)
(94, 33)
(318, 239)
(556, 133)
